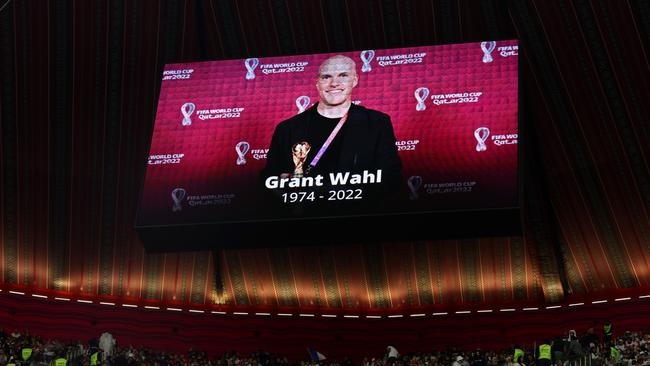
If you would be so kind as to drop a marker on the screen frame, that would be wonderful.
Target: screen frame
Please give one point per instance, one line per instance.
(365, 228)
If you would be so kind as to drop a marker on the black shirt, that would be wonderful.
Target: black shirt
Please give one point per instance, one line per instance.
(365, 143)
(319, 129)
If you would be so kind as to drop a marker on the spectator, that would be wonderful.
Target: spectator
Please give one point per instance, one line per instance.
(458, 361)
(628, 349)
(106, 344)
(589, 338)
(392, 354)
(573, 349)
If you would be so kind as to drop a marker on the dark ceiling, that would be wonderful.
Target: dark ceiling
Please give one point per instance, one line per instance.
(79, 81)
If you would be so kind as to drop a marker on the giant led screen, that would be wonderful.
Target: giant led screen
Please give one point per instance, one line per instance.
(362, 133)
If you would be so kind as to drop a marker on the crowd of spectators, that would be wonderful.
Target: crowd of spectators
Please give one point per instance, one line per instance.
(629, 349)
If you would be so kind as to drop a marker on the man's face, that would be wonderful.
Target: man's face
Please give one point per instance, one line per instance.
(336, 79)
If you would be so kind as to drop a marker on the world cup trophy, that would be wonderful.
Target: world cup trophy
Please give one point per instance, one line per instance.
(299, 153)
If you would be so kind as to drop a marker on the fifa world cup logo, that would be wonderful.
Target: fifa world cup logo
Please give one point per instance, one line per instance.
(487, 48)
(302, 102)
(242, 148)
(481, 134)
(251, 64)
(366, 56)
(421, 95)
(414, 183)
(178, 195)
(186, 110)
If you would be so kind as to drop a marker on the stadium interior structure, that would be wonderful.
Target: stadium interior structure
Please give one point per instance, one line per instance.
(78, 88)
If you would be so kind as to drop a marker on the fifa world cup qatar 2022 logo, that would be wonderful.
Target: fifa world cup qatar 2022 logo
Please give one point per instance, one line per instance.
(366, 56)
(186, 110)
(242, 148)
(251, 64)
(421, 95)
(481, 134)
(178, 195)
(302, 102)
(414, 183)
(487, 48)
